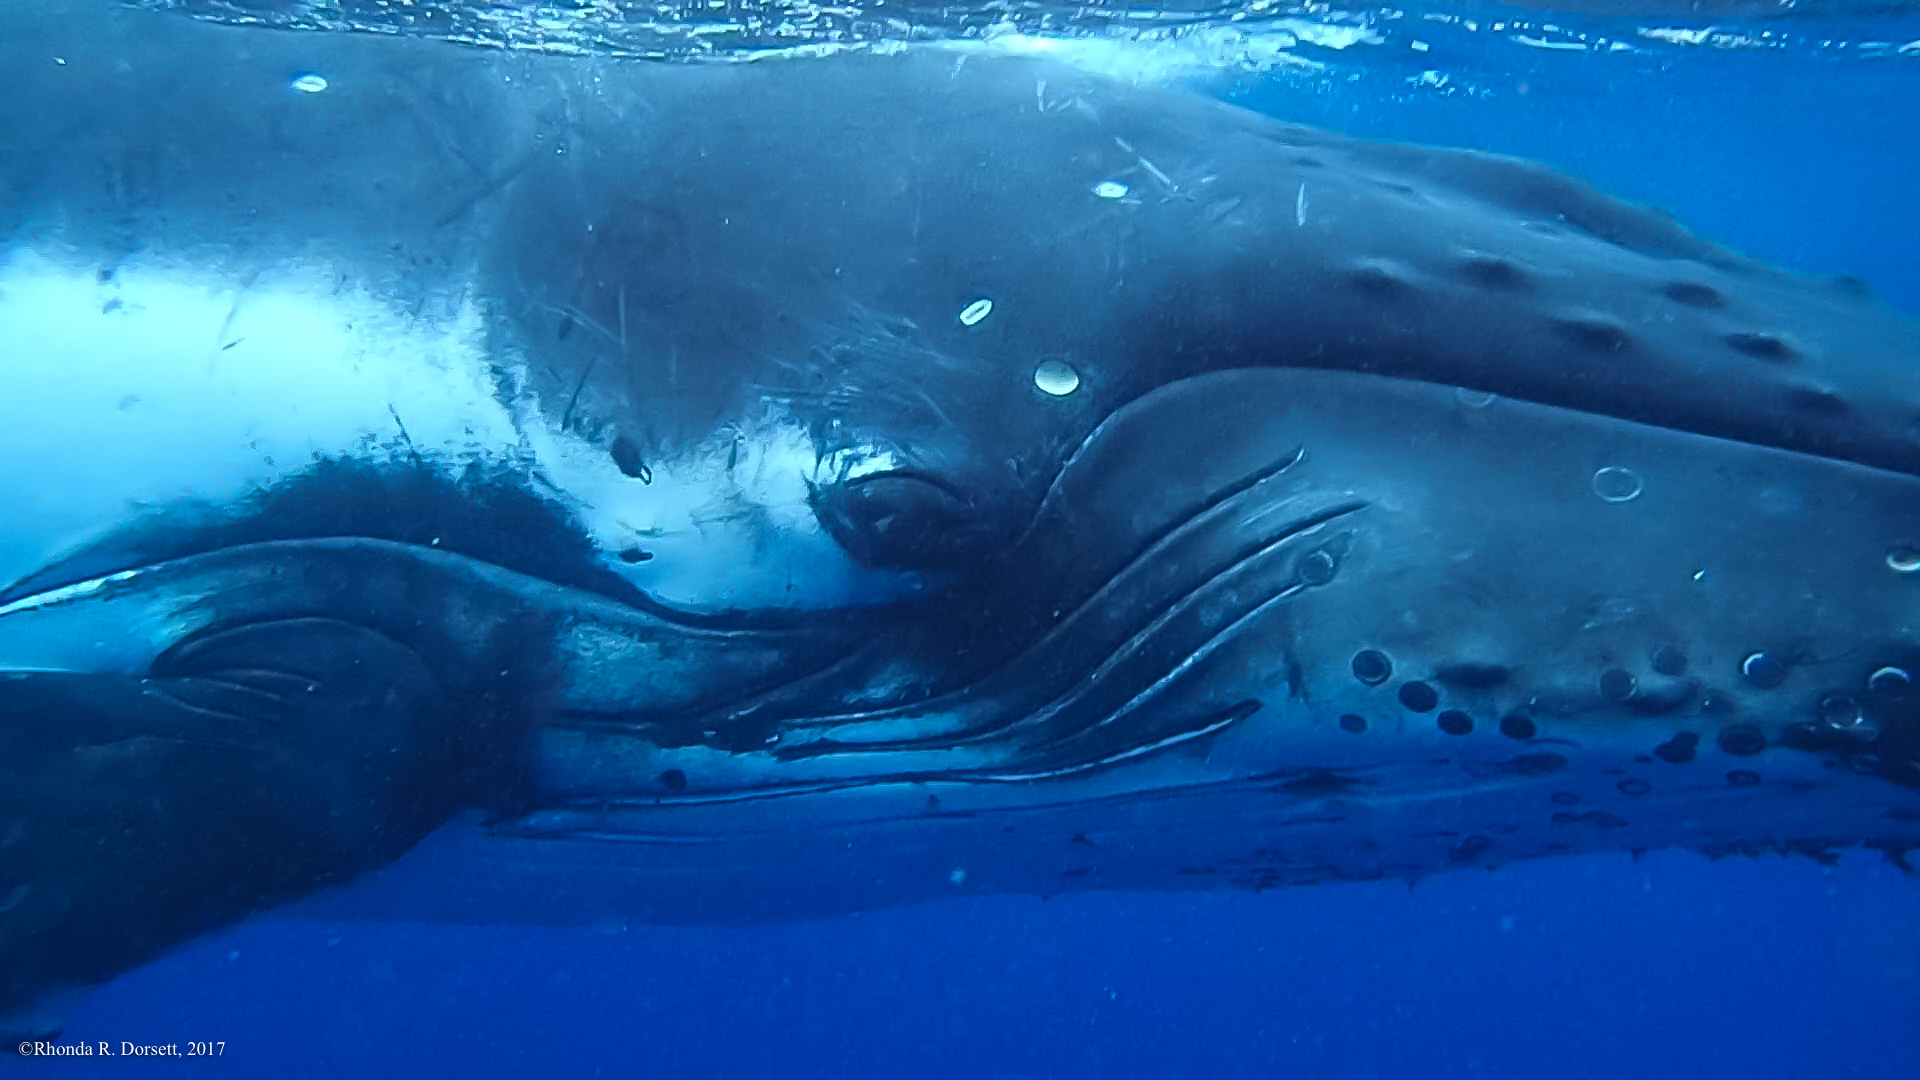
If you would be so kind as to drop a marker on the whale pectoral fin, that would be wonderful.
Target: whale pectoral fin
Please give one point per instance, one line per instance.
(253, 765)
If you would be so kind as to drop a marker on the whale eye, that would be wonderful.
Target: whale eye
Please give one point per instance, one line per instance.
(900, 520)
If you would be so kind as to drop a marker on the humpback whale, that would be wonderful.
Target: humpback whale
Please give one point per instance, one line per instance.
(816, 481)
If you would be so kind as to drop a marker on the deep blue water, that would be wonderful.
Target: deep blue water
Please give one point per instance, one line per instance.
(1669, 966)
(1601, 967)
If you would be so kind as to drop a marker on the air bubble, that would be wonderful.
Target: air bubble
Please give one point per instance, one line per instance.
(1616, 485)
(1473, 399)
(308, 82)
(1904, 559)
(1110, 189)
(1054, 377)
(974, 312)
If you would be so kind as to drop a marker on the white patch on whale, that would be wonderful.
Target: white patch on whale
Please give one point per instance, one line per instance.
(204, 385)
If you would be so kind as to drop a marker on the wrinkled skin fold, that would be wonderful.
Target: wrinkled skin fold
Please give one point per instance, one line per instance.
(711, 514)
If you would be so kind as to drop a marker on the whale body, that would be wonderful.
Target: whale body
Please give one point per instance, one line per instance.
(823, 481)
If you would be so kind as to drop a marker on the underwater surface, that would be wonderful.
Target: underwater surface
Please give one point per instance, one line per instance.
(1785, 134)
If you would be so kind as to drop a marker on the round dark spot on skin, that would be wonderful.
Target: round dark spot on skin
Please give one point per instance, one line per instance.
(1742, 740)
(1371, 667)
(1678, 750)
(1598, 335)
(1634, 786)
(1515, 726)
(1455, 722)
(1564, 798)
(1694, 294)
(1618, 684)
(1743, 778)
(1353, 722)
(1419, 697)
(635, 555)
(1762, 346)
(673, 780)
(1763, 670)
(1668, 660)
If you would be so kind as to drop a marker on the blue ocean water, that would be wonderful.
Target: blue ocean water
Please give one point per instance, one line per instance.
(1669, 965)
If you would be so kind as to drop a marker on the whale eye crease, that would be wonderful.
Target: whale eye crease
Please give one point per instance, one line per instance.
(1418, 696)
(1904, 559)
(635, 555)
(1616, 484)
(626, 458)
(1371, 667)
(1353, 722)
(1515, 726)
(1618, 684)
(1056, 378)
(1763, 670)
(1455, 722)
(1743, 777)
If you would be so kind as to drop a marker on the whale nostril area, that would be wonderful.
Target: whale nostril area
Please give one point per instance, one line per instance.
(902, 520)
